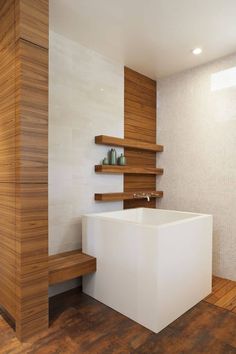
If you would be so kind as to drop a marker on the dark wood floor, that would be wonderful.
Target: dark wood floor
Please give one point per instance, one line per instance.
(79, 324)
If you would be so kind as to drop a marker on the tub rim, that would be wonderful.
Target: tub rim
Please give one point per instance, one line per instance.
(101, 215)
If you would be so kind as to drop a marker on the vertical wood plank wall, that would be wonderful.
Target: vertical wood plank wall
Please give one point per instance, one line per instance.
(23, 163)
(140, 125)
(7, 158)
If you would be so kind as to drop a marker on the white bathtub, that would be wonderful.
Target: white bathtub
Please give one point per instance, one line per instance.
(152, 265)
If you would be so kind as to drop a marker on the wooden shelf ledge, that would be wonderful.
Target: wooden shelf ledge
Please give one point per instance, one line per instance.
(70, 265)
(128, 169)
(128, 143)
(109, 197)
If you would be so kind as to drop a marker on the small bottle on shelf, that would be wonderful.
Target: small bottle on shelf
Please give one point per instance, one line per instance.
(105, 161)
(122, 160)
(113, 157)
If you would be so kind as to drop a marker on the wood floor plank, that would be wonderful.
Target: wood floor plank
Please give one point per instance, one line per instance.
(220, 288)
(228, 301)
(221, 292)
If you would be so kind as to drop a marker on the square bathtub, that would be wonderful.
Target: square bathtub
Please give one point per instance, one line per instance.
(152, 265)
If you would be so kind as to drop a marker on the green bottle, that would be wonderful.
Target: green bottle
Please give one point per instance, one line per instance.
(122, 160)
(105, 161)
(113, 158)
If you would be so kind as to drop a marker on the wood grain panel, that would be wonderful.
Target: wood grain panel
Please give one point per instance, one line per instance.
(32, 21)
(7, 114)
(139, 125)
(7, 158)
(32, 113)
(7, 92)
(23, 163)
(7, 28)
(7, 247)
(32, 258)
(31, 124)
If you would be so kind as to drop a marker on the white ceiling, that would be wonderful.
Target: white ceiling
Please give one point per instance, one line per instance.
(154, 37)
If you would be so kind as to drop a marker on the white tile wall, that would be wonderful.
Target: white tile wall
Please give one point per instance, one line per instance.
(86, 98)
(197, 126)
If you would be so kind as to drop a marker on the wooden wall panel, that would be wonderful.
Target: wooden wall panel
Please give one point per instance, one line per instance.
(7, 92)
(32, 21)
(31, 167)
(32, 113)
(7, 114)
(23, 163)
(32, 258)
(140, 125)
(7, 248)
(7, 158)
(7, 29)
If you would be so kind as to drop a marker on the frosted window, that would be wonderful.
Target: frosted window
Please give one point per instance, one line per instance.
(223, 79)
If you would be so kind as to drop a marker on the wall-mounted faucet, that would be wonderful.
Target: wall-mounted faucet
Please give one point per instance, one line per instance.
(148, 196)
(142, 196)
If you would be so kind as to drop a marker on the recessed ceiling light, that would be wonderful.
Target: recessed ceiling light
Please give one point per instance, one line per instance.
(197, 51)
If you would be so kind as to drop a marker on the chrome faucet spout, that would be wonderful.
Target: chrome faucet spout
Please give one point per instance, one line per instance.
(142, 196)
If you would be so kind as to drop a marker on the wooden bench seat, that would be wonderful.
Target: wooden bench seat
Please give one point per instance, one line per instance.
(70, 265)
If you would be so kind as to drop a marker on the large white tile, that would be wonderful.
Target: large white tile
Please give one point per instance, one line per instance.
(86, 98)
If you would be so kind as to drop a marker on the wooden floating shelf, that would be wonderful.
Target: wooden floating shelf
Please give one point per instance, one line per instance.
(109, 197)
(70, 265)
(128, 143)
(128, 169)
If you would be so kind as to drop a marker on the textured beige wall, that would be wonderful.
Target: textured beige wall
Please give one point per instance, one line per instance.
(197, 125)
